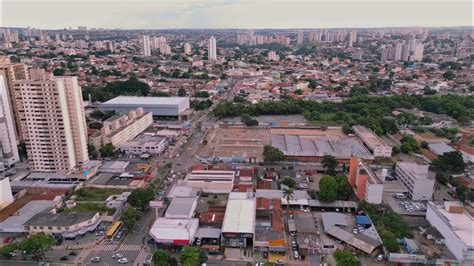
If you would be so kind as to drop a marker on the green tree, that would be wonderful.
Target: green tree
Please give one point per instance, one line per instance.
(451, 162)
(343, 187)
(345, 258)
(462, 191)
(409, 144)
(191, 256)
(59, 72)
(181, 92)
(449, 75)
(288, 195)
(140, 198)
(347, 129)
(248, 120)
(395, 150)
(289, 182)
(238, 99)
(130, 217)
(441, 177)
(389, 241)
(107, 150)
(91, 150)
(272, 154)
(330, 163)
(203, 94)
(37, 245)
(95, 125)
(6, 250)
(327, 189)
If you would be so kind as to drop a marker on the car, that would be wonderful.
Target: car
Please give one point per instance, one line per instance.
(265, 254)
(294, 244)
(213, 252)
(64, 258)
(380, 257)
(259, 264)
(354, 231)
(291, 217)
(117, 256)
(198, 242)
(296, 255)
(151, 240)
(123, 261)
(96, 259)
(12, 254)
(72, 253)
(100, 233)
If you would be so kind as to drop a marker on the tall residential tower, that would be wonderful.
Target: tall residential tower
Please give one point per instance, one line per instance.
(212, 53)
(52, 121)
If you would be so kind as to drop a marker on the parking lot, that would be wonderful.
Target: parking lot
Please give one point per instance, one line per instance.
(405, 206)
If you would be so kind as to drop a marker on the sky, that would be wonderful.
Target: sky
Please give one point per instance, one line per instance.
(245, 14)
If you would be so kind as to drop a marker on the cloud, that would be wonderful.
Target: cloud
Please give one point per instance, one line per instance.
(162, 14)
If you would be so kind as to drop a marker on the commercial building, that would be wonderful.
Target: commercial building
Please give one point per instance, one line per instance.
(455, 223)
(212, 52)
(372, 142)
(167, 231)
(15, 222)
(145, 144)
(8, 141)
(305, 144)
(146, 46)
(69, 225)
(415, 178)
(121, 128)
(158, 106)
(368, 187)
(181, 208)
(211, 181)
(52, 121)
(238, 228)
(269, 214)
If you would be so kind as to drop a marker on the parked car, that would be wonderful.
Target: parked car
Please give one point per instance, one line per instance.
(123, 261)
(117, 256)
(72, 253)
(380, 257)
(296, 255)
(64, 258)
(265, 254)
(96, 259)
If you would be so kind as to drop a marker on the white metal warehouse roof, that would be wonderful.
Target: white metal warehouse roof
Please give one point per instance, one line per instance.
(146, 100)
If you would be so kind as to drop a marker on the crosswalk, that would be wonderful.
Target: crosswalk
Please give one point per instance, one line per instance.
(130, 248)
(107, 247)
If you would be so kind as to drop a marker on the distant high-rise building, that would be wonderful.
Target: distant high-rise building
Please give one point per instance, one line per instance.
(300, 37)
(146, 45)
(351, 39)
(109, 46)
(52, 121)
(8, 142)
(212, 52)
(409, 51)
(187, 48)
(272, 56)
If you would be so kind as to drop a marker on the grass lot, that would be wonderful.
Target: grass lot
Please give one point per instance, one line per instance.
(96, 194)
(91, 207)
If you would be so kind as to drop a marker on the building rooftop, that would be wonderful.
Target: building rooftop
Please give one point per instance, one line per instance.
(179, 231)
(418, 171)
(297, 145)
(240, 214)
(460, 223)
(368, 136)
(141, 100)
(182, 206)
(304, 223)
(331, 219)
(15, 222)
(60, 219)
(440, 148)
(208, 232)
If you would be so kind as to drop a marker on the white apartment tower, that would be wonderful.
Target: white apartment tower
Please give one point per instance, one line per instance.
(8, 142)
(146, 45)
(273, 56)
(300, 37)
(212, 52)
(187, 48)
(52, 121)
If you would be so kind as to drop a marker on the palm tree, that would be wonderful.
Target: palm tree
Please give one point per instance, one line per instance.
(288, 195)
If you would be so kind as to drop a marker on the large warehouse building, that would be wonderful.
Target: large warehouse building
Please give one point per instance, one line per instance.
(158, 106)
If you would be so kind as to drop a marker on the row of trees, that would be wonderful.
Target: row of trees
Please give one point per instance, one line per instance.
(373, 112)
(132, 86)
(35, 245)
(190, 256)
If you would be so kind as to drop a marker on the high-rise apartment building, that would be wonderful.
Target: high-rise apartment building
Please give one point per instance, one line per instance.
(300, 38)
(212, 52)
(146, 45)
(8, 142)
(187, 48)
(11, 73)
(273, 56)
(52, 121)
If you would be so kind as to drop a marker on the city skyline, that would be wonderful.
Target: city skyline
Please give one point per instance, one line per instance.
(245, 14)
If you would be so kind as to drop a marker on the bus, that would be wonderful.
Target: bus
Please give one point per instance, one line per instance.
(114, 229)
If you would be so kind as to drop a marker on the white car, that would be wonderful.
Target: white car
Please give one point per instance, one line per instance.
(123, 260)
(117, 256)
